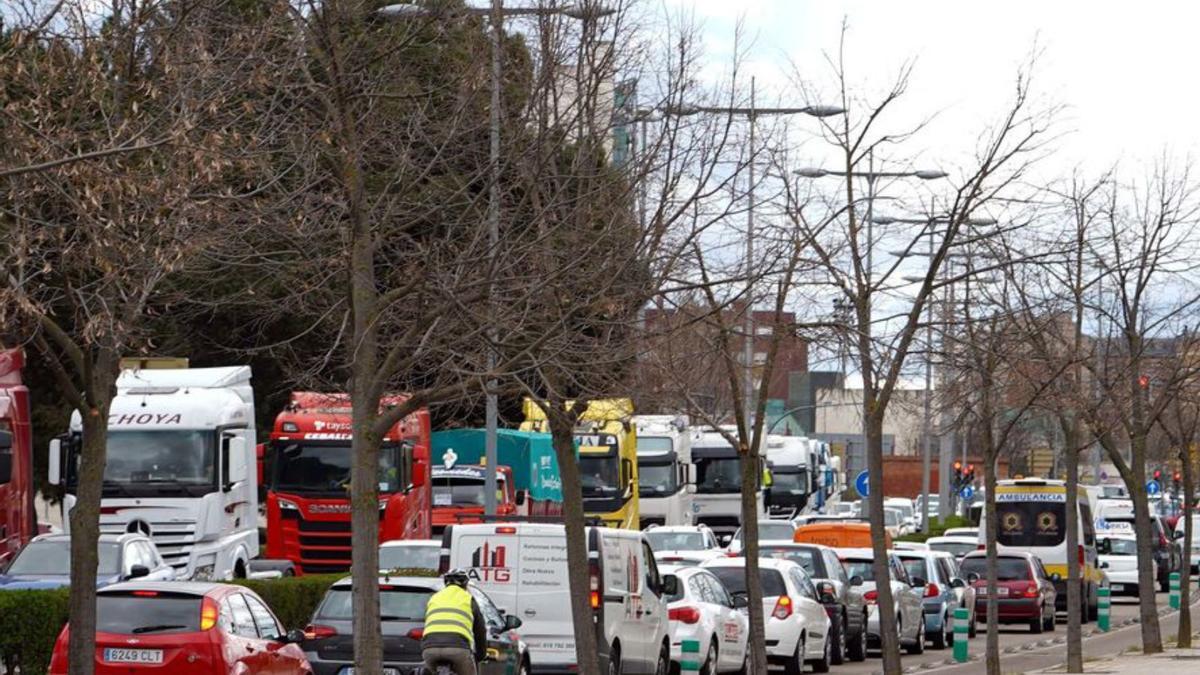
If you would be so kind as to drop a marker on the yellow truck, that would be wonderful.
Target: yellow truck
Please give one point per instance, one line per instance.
(607, 440)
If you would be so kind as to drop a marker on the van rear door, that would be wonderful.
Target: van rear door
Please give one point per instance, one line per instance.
(487, 552)
(543, 595)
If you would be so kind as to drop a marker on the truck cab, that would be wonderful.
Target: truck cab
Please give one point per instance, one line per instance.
(607, 446)
(17, 519)
(790, 492)
(308, 481)
(665, 479)
(458, 494)
(178, 470)
(718, 499)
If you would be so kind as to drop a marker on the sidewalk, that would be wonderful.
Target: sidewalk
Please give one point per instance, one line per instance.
(1170, 662)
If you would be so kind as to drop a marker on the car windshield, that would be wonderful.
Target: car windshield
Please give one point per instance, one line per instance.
(1031, 524)
(410, 557)
(147, 612)
(915, 567)
(905, 509)
(790, 481)
(53, 558)
(734, 579)
(865, 569)
(1121, 546)
(657, 480)
(138, 457)
(1009, 569)
(891, 517)
(676, 541)
(771, 530)
(396, 603)
(956, 549)
(601, 475)
(804, 557)
(463, 491)
(326, 468)
(718, 475)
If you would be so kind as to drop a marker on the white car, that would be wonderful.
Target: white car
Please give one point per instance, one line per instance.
(908, 513)
(955, 546)
(906, 602)
(1192, 548)
(683, 544)
(972, 532)
(702, 609)
(910, 546)
(797, 627)
(768, 530)
(1118, 559)
(410, 554)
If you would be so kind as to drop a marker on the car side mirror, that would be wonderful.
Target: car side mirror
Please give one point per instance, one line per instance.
(740, 601)
(137, 572)
(856, 580)
(972, 577)
(725, 539)
(293, 636)
(1056, 577)
(1178, 534)
(1104, 565)
(957, 582)
(670, 585)
(511, 622)
(919, 582)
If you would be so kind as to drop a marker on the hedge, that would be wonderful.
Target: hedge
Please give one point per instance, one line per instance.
(937, 527)
(293, 599)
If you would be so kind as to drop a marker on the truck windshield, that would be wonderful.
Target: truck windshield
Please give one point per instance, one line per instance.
(718, 475)
(460, 491)
(601, 475)
(788, 482)
(326, 468)
(53, 558)
(138, 457)
(657, 480)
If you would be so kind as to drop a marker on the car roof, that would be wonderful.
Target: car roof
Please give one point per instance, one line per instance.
(197, 588)
(410, 543)
(952, 539)
(1024, 555)
(783, 544)
(111, 538)
(768, 563)
(677, 528)
(433, 582)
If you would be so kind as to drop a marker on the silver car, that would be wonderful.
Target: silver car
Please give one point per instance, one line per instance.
(906, 601)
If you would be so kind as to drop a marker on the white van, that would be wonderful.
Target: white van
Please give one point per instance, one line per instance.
(523, 568)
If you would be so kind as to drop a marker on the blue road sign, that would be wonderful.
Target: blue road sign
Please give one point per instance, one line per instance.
(968, 492)
(1152, 487)
(860, 484)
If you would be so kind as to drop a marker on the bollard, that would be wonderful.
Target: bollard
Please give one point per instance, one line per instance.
(689, 660)
(962, 633)
(1105, 604)
(1174, 582)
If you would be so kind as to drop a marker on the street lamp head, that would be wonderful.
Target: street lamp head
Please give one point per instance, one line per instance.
(883, 220)
(682, 109)
(981, 221)
(824, 110)
(402, 11)
(586, 11)
(810, 172)
(930, 175)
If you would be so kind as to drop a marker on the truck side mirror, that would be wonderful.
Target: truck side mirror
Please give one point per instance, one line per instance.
(5, 440)
(6, 458)
(519, 499)
(54, 470)
(235, 459)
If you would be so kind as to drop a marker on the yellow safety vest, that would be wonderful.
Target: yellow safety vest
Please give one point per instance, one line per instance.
(449, 611)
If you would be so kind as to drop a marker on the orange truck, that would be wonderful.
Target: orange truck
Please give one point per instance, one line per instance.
(837, 535)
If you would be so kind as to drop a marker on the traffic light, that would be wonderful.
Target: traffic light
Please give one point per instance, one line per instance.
(1175, 480)
(1158, 474)
(958, 476)
(969, 478)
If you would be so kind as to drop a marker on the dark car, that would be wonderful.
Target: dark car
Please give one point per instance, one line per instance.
(329, 643)
(843, 603)
(45, 562)
(186, 628)
(1168, 554)
(1024, 592)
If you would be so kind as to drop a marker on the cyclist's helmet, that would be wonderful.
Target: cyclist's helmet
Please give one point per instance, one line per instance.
(457, 577)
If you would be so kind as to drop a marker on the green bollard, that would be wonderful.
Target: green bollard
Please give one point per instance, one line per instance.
(1174, 582)
(689, 660)
(1105, 605)
(962, 633)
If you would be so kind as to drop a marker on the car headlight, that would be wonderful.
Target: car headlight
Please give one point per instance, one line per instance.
(203, 573)
(288, 505)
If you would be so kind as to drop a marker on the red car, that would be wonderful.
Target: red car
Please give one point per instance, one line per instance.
(187, 628)
(1024, 592)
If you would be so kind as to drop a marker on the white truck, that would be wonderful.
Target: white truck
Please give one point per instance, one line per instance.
(666, 481)
(718, 498)
(180, 450)
(792, 476)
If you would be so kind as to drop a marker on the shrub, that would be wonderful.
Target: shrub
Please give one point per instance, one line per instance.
(30, 622)
(293, 599)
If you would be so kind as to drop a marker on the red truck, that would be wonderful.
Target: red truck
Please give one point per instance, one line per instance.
(307, 479)
(458, 494)
(18, 522)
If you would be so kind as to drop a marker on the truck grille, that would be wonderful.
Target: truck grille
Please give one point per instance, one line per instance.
(327, 543)
(173, 539)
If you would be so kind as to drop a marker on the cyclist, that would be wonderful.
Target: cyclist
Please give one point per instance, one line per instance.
(455, 633)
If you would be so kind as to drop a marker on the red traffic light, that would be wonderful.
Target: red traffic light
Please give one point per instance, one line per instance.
(1177, 477)
(1157, 474)
(971, 468)
(1144, 381)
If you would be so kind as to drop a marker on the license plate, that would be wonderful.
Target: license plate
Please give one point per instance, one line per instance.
(386, 671)
(1116, 588)
(120, 655)
(1003, 590)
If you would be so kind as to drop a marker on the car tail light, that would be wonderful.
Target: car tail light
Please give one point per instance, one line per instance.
(507, 529)
(980, 547)
(146, 594)
(932, 590)
(208, 613)
(594, 584)
(783, 607)
(684, 614)
(416, 633)
(871, 597)
(315, 632)
(1162, 540)
(1082, 557)
(1032, 591)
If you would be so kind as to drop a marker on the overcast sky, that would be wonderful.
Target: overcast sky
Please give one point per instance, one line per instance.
(1124, 70)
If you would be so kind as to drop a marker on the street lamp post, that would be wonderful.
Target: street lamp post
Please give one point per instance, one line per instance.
(496, 14)
(752, 113)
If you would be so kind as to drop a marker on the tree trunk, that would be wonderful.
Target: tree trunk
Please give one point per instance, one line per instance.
(1147, 602)
(562, 432)
(364, 526)
(754, 594)
(85, 516)
(1074, 579)
(1185, 574)
(889, 638)
(991, 523)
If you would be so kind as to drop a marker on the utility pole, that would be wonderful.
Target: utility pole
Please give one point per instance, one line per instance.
(748, 341)
(491, 413)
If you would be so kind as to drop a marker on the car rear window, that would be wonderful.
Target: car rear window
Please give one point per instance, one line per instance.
(409, 557)
(954, 548)
(807, 558)
(734, 579)
(130, 614)
(916, 568)
(1008, 569)
(396, 603)
(864, 569)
